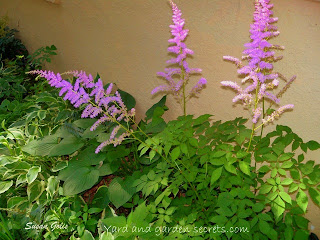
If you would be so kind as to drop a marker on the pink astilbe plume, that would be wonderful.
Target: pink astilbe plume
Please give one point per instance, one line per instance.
(260, 56)
(98, 101)
(181, 52)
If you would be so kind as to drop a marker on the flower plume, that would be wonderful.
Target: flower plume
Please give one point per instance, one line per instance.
(98, 101)
(182, 71)
(260, 56)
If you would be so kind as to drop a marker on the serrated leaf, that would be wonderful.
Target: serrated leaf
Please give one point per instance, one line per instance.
(216, 174)
(315, 195)
(313, 145)
(264, 169)
(287, 181)
(287, 164)
(285, 196)
(258, 207)
(265, 189)
(285, 156)
(152, 153)
(302, 200)
(278, 207)
(230, 168)
(293, 187)
(295, 174)
(175, 153)
(244, 167)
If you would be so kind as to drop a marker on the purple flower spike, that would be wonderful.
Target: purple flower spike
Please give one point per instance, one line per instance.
(260, 56)
(183, 71)
(97, 100)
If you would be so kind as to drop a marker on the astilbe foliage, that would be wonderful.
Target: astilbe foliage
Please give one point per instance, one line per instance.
(260, 56)
(98, 101)
(182, 71)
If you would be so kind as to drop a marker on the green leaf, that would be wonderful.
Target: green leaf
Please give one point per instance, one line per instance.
(184, 148)
(201, 119)
(120, 191)
(106, 236)
(22, 178)
(52, 185)
(217, 154)
(285, 196)
(175, 153)
(244, 167)
(258, 207)
(127, 99)
(152, 153)
(150, 111)
(109, 168)
(67, 146)
(265, 188)
(264, 169)
(313, 145)
(288, 233)
(287, 181)
(278, 207)
(15, 201)
(42, 114)
(34, 190)
(60, 166)
(285, 156)
(87, 236)
(230, 168)
(81, 179)
(315, 195)
(33, 173)
(242, 154)
(84, 123)
(41, 147)
(193, 142)
(101, 199)
(118, 221)
(5, 185)
(265, 228)
(293, 187)
(295, 174)
(301, 235)
(216, 174)
(307, 168)
(302, 200)
(287, 164)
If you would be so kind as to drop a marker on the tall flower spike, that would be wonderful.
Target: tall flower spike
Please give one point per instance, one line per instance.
(260, 56)
(182, 71)
(97, 100)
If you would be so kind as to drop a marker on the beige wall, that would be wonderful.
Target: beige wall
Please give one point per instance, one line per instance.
(126, 40)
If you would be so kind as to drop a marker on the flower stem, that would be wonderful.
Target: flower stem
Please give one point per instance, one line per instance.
(253, 124)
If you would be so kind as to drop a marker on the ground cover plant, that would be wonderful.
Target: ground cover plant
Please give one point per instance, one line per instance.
(91, 171)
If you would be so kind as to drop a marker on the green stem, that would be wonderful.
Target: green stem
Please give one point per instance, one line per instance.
(263, 115)
(253, 125)
(184, 93)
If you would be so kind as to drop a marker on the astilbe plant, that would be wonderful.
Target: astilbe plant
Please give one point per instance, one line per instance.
(183, 71)
(97, 100)
(260, 55)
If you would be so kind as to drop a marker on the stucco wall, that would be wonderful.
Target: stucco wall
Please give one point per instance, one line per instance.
(126, 40)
